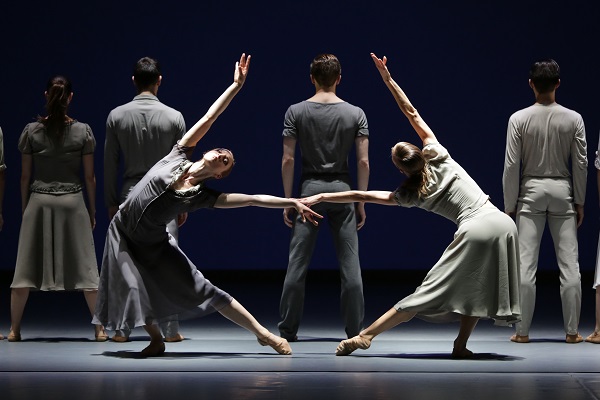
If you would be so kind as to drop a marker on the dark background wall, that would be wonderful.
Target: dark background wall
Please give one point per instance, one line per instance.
(463, 64)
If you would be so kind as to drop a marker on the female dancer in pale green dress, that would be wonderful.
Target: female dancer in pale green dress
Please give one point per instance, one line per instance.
(478, 274)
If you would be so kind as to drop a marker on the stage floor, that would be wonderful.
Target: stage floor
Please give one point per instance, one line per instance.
(58, 359)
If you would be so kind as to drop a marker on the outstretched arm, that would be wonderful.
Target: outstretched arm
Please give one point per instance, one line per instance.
(370, 196)
(233, 200)
(203, 125)
(422, 129)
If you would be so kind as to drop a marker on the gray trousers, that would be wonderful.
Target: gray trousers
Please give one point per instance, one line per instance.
(342, 223)
(541, 200)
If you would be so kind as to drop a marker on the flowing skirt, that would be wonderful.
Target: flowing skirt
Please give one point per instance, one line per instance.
(477, 275)
(56, 246)
(141, 283)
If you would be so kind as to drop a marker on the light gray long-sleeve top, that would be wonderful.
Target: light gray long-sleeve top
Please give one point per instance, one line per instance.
(142, 131)
(540, 141)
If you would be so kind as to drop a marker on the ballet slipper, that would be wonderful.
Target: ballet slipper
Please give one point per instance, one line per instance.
(576, 338)
(14, 337)
(277, 343)
(177, 338)
(519, 339)
(593, 338)
(1, 336)
(154, 349)
(461, 354)
(349, 345)
(120, 339)
(100, 334)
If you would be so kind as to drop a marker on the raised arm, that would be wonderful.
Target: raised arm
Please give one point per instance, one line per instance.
(203, 125)
(422, 129)
(366, 196)
(234, 200)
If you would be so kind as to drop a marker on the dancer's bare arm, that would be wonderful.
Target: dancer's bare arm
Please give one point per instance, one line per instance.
(370, 196)
(419, 125)
(234, 200)
(203, 125)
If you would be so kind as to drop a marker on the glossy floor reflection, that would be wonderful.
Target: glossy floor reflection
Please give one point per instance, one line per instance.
(58, 359)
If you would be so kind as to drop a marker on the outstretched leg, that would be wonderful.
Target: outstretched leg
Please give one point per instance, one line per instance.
(467, 324)
(387, 321)
(156, 346)
(236, 313)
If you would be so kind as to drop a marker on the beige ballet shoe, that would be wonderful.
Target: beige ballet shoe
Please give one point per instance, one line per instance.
(14, 337)
(100, 334)
(1, 336)
(120, 339)
(177, 338)
(576, 338)
(349, 345)
(277, 343)
(153, 350)
(519, 339)
(593, 338)
(462, 354)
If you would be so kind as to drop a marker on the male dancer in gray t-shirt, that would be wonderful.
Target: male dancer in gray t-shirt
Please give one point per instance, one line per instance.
(545, 172)
(142, 131)
(326, 128)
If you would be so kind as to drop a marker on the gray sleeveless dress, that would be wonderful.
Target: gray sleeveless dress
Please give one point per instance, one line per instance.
(145, 276)
(478, 273)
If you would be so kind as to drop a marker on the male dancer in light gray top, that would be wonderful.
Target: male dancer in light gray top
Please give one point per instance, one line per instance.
(142, 131)
(2, 179)
(541, 139)
(326, 128)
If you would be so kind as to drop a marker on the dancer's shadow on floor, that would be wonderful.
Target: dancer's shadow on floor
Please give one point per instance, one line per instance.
(448, 356)
(129, 354)
(308, 339)
(57, 340)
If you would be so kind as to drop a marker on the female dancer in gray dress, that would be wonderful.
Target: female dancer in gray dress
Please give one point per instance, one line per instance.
(145, 275)
(477, 276)
(56, 246)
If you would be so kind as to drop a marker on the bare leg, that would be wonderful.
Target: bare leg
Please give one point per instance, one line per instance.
(156, 346)
(90, 299)
(467, 324)
(236, 313)
(387, 321)
(595, 336)
(18, 299)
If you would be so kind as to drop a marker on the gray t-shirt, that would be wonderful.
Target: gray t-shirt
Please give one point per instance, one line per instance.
(540, 142)
(325, 133)
(143, 131)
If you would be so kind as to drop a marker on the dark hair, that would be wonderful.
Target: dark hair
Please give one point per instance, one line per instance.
(325, 69)
(544, 75)
(58, 91)
(409, 159)
(146, 72)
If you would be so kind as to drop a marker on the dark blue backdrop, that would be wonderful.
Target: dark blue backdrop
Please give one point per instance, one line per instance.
(463, 64)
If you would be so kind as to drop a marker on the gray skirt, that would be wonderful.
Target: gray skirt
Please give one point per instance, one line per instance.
(56, 247)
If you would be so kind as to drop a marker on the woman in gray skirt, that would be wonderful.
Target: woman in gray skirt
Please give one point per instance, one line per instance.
(56, 246)
(145, 275)
(478, 274)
